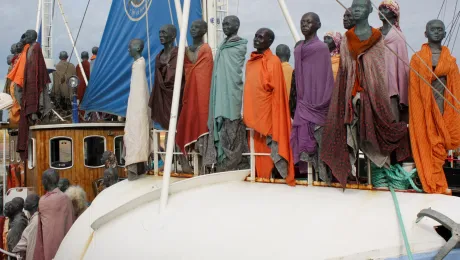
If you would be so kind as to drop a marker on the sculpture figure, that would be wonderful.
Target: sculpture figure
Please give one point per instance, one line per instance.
(396, 64)
(16, 77)
(26, 246)
(359, 116)
(36, 79)
(348, 20)
(333, 41)
(192, 128)
(226, 128)
(165, 71)
(61, 93)
(433, 123)
(17, 221)
(63, 184)
(137, 128)
(55, 217)
(284, 53)
(81, 89)
(266, 109)
(314, 84)
(94, 51)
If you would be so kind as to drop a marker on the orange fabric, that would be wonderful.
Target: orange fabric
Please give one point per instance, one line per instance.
(287, 71)
(357, 47)
(266, 110)
(433, 133)
(17, 73)
(15, 110)
(93, 57)
(335, 60)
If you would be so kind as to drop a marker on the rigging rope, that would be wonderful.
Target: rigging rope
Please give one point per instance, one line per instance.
(396, 178)
(79, 29)
(443, 2)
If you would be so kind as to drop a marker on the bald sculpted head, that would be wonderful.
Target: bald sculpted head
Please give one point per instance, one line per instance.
(263, 39)
(283, 52)
(136, 46)
(310, 23)
(231, 25)
(168, 34)
(435, 31)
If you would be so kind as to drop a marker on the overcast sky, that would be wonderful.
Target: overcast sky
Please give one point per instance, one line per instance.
(19, 15)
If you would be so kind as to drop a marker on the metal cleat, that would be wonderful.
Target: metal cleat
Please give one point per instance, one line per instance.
(447, 223)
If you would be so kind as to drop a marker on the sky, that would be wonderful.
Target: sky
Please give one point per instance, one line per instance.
(20, 15)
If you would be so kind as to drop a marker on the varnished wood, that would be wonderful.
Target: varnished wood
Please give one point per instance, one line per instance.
(79, 174)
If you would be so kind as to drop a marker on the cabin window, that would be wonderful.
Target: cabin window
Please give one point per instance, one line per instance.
(61, 153)
(119, 150)
(94, 147)
(31, 153)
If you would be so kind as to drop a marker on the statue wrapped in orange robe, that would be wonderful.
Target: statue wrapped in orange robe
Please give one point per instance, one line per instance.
(432, 132)
(16, 76)
(266, 110)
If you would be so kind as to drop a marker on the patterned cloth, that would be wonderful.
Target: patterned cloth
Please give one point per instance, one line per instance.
(394, 7)
(337, 37)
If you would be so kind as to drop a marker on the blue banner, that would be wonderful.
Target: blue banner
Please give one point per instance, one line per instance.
(108, 88)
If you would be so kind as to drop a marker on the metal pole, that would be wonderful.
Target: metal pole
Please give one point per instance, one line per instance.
(4, 167)
(180, 17)
(174, 108)
(74, 106)
(72, 41)
(39, 11)
(212, 25)
(289, 21)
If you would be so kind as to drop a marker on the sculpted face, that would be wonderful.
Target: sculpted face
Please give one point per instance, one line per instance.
(231, 25)
(263, 39)
(63, 55)
(330, 43)
(63, 184)
(13, 49)
(136, 47)
(310, 24)
(386, 13)
(9, 59)
(9, 209)
(198, 29)
(167, 34)
(19, 47)
(85, 55)
(348, 21)
(435, 31)
(95, 50)
(361, 9)
(30, 36)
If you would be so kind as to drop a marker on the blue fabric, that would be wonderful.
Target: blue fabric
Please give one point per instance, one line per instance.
(453, 255)
(108, 88)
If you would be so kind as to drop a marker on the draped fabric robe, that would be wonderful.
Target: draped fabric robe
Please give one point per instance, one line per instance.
(137, 126)
(397, 70)
(161, 98)
(335, 60)
(81, 89)
(193, 119)
(36, 78)
(433, 133)
(64, 70)
(55, 218)
(378, 134)
(28, 239)
(225, 102)
(287, 72)
(16, 77)
(266, 110)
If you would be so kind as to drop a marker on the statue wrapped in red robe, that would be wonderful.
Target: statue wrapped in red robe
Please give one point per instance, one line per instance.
(82, 86)
(198, 65)
(36, 78)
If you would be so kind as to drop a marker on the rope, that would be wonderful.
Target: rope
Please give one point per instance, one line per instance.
(396, 178)
(78, 34)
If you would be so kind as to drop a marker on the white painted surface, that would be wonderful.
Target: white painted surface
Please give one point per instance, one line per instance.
(243, 220)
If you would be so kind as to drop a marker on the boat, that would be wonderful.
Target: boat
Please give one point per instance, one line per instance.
(227, 215)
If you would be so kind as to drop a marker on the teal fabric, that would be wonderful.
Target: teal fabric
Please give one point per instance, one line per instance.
(226, 88)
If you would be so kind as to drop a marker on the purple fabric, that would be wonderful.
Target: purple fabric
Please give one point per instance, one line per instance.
(314, 83)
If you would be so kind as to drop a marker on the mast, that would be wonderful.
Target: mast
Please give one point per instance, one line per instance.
(212, 24)
(47, 10)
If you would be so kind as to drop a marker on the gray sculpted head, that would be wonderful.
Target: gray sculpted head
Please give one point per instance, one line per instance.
(283, 52)
(168, 34)
(31, 203)
(231, 25)
(309, 24)
(435, 31)
(348, 21)
(23, 39)
(30, 36)
(63, 184)
(85, 55)
(9, 59)
(63, 55)
(94, 50)
(50, 179)
(263, 39)
(329, 41)
(198, 29)
(136, 46)
(19, 47)
(110, 177)
(13, 49)
(361, 9)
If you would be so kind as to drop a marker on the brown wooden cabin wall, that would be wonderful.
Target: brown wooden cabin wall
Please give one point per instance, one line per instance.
(79, 174)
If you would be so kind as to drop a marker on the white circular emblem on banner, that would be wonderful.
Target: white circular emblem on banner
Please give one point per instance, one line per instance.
(136, 9)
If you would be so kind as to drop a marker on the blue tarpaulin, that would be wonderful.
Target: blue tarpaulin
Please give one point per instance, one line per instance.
(108, 88)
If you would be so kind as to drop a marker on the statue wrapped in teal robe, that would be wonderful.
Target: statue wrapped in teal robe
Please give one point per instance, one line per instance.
(224, 122)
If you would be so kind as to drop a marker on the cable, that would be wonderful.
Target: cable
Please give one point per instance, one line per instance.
(443, 2)
(456, 35)
(237, 7)
(79, 29)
